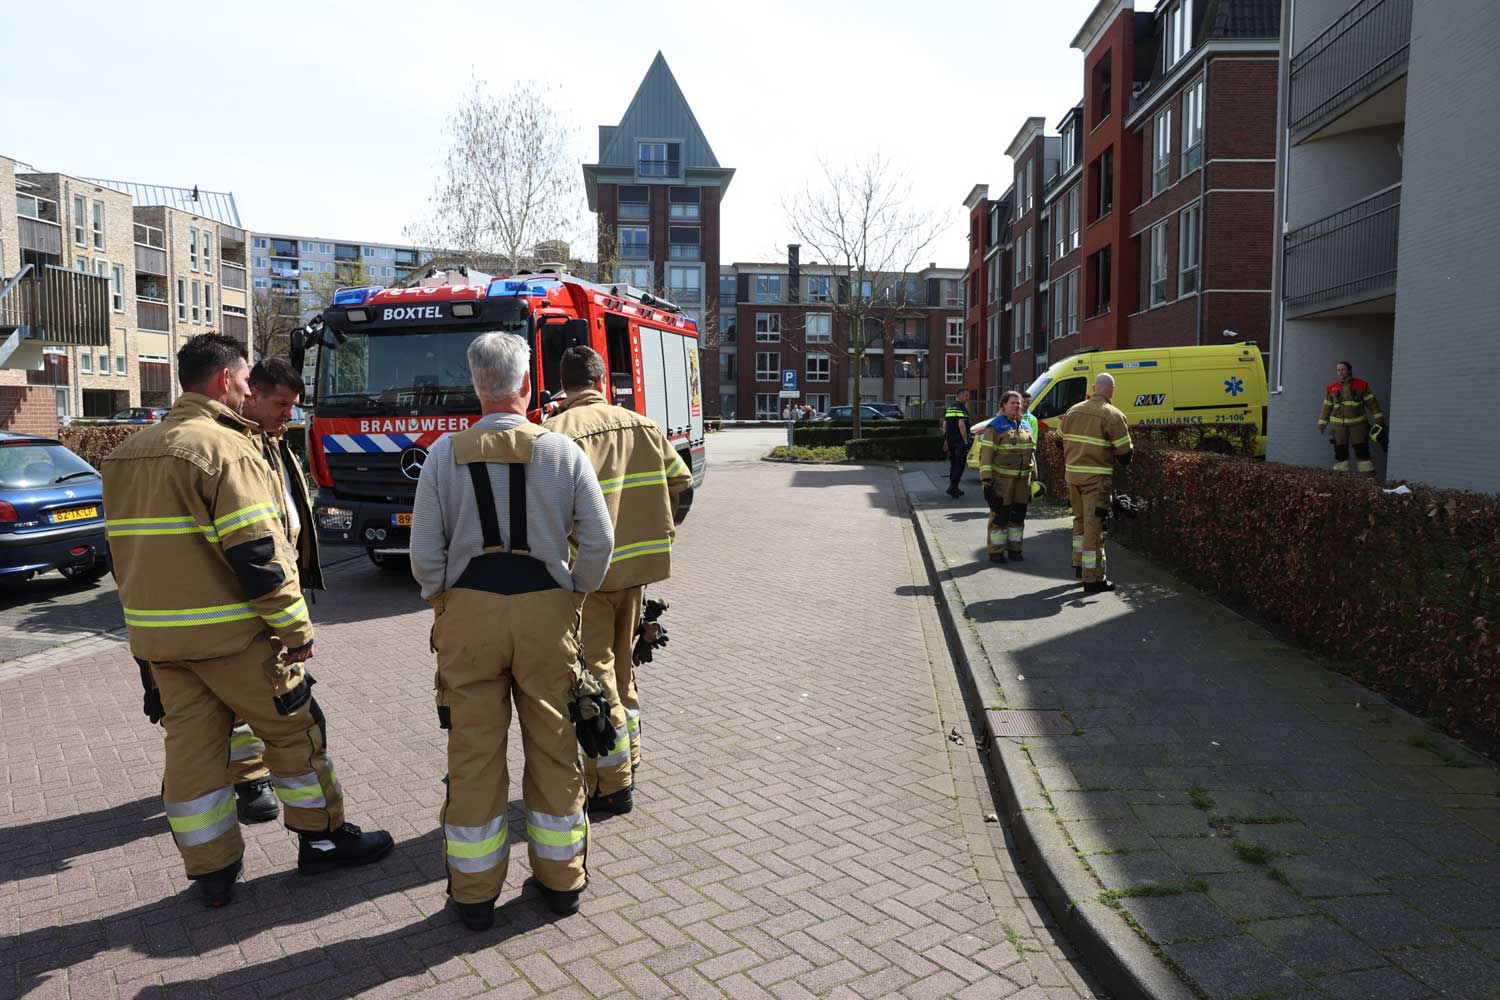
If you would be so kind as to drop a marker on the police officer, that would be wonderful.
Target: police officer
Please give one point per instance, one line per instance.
(643, 480)
(1349, 404)
(1094, 434)
(496, 505)
(208, 582)
(956, 442)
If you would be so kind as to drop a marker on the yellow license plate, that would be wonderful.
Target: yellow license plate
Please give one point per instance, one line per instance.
(401, 520)
(77, 514)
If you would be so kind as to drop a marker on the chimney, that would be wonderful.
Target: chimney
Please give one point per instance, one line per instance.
(794, 272)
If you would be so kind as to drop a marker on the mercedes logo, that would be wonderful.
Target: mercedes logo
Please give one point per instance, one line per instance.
(412, 460)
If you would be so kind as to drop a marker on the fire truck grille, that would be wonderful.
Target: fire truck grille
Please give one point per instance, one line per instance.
(371, 477)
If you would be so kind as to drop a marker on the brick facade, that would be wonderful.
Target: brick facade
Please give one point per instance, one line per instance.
(28, 410)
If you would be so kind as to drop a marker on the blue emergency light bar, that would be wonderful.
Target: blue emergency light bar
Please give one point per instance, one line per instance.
(501, 287)
(355, 296)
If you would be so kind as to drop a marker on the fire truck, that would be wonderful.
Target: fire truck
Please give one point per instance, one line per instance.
(392, 376)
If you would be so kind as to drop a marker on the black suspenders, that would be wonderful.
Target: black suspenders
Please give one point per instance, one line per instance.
(501, 569)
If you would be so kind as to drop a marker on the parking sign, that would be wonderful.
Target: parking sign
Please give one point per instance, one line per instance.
(789, 383)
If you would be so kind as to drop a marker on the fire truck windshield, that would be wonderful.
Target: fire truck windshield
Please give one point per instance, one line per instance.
(405, 369)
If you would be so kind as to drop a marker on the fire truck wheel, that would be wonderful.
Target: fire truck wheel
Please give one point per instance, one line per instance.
(389, 561)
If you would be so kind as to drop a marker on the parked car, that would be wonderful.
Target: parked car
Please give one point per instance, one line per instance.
(867, 411)
(51, 511)
(889, 409)
(141, 415)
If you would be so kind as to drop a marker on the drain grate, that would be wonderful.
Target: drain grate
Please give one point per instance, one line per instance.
(1027, 722)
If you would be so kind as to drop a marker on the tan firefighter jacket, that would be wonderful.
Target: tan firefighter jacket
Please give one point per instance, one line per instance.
(1093, 433)
(1007, 452)
(641, 476)
(1349, 403)
(304, 535)
(198, 537)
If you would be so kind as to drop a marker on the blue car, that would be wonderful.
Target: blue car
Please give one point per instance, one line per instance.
(51, 511)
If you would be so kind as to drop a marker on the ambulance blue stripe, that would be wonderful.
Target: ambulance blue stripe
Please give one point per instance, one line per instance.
(332, 446)
(1131, 364)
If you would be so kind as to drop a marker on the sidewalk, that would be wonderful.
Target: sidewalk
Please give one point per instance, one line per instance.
(1259, 825)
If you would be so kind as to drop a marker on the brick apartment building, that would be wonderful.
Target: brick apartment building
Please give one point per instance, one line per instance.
(1148, 220)
(656, 191)
(790, 316)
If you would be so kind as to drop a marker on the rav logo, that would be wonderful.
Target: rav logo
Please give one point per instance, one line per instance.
(1151, 399)
(412, 312)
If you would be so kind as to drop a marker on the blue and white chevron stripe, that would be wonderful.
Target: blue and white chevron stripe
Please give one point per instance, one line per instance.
(345, 444)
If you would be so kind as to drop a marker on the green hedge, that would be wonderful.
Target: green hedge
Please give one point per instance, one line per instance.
(825, 432)
(92, 442)
(910, 448)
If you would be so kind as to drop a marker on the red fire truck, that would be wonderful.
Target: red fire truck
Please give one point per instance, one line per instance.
(392, 377)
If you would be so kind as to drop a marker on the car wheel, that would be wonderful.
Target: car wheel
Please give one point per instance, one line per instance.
(389, 561)
(83, 573)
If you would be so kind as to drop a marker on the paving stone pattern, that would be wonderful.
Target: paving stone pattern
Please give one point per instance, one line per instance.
(803, 828)
(1278, 830)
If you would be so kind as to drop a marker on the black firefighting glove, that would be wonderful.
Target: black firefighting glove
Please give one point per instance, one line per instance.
(1381, 436)
(151, 703)
(653, 608)
(589, 713)
(649, 636)
(992, 499)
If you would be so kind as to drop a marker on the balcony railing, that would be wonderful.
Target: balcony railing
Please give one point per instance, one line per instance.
(41, 236)
(150, 236)
(634, 210)
(1358, 54)
(688, 296)
(54, 371)
(661, 168)
(684, 251)
(152, 314)
(909, 341)
(60, 306)
(234, 325)
(1347, 258)
(234, 275)
(150, 260)
(634, 251)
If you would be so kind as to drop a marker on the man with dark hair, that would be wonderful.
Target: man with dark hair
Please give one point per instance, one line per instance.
(956, 441)
(214, 611)
(644, 482)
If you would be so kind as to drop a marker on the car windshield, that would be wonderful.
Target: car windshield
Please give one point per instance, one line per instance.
(413, 367)
(27, 466)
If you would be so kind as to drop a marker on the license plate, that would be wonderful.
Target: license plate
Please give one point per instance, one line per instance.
(76, 514)
(401, 520)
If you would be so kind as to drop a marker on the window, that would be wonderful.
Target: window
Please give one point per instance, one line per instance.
(1059, 306)
(820, 401)
(98, 225)
(768, 288)
(955, 332)
(80, 221)
(116, 288)
(992, 291)
(1103, 89)
(817, 288)
(262, 282)
(684, 202)
(369, 251)
(953, 368)
(1020, 254)
(83, 265)
(1179, 33)
(683, 241)
(208, 253)
(86, 363)
(1102, 180)
(259, 263)
(768, 366)
(197, 294)
(1018, 324)
(1069, 151)
(728, 366)
(325, 248)
(819, 328)
(660, 159)
(1192, 127)
(120, 364)
(727, 327)
(635, 275)
(634, 202)
(1073, 214)
(208, 302)
(1060, 228)
(1026, 324)
(635, 242)
(951, 295)
(182, 299)
(261, 243)
(308, 246)
(860, 289)
(193, 249)
(819, 367)
(1030, 252)
(726, 288)
(1158, 263)
(1187, 249)
(768, 328)
(104, 365)
(1101, 276)
(62, 402)
(1073, 294)
(685, 285)
(1060, 398)
(992, 336)
(1161, 152)
(765, 406)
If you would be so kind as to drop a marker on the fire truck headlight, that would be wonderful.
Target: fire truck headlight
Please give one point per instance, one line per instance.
(358, 315)
(335, 518)
(463, 309)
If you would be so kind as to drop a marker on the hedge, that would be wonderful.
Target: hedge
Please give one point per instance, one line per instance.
(826, 432)
(1402, 590)
(93, 442)
(909, 448)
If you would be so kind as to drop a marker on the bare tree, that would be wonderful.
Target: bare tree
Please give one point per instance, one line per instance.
(859, 218)
(273, 317)
(509, 182)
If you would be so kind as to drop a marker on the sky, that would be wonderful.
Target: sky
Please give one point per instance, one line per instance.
(328, 118)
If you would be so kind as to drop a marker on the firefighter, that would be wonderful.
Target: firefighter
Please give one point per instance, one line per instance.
(956, 442)
(208, 582)
(1094, 434)
(1006, 456)
(644, 481)
(496, 505)
(1349, 404)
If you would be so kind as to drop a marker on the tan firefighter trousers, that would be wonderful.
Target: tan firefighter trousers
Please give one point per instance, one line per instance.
(609, 622)
(202, 698)
(1090, 506)
(492, 648)
(1007, 523)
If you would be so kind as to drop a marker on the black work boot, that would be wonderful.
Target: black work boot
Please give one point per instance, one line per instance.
(477, 916)
(255, 802)
(1098, 587)
(217, 888)
(563, 902)
(615, 803)
(1016, 556)
(997, 557)
(1078, 572)
(341, 848)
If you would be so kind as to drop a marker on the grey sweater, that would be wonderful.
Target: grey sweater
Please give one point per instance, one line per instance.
(562, 499)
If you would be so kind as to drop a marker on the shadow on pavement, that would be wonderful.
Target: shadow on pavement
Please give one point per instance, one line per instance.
(1027, 607)
(969, 515)
(42, 610)
(48, 845)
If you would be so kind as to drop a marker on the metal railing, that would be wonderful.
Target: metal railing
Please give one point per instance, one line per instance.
(150, 236)
(232, 325)
(661, 168)
(685, 295)
(634, 210)
(60, 306)
(234, 275)
(1348, 257)
(40, 235)
(150, 260)
(1366, 47)
(152, 314)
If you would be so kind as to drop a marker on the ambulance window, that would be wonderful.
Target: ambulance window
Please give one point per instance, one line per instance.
(1064, 395)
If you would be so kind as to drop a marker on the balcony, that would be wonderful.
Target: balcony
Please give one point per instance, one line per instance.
(41, 236)
(59, 306)
(685, 296)
(54, 371)
(661, 168)
(152, 315)
(1346, 262)
(236, 326)
(234, 275)
(150, 250)
(684, 251)
(1333, 79)
(635, 251)
(909, 341)
(634, 210)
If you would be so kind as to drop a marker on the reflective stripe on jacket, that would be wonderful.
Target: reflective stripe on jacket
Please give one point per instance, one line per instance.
(1351, 402)
(641, 476)
(197, 533)
(1006, 449)
(1093, 432)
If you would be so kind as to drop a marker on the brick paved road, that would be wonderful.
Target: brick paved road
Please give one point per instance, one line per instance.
(803, 826)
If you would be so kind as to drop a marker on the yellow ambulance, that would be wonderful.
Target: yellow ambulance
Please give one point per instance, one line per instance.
(1215, 386)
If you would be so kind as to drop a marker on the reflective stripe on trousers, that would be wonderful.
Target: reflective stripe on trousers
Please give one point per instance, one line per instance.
(476, 849)
(557, 838)
(304, 791)
(203, 819)
(633, 724)
(244, 745)
(1090, 559)
(619, 753)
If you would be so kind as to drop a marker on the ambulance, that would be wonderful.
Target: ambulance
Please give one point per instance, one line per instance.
(1214, 386)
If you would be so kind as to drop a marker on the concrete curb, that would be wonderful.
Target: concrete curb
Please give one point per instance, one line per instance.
(1119, 959)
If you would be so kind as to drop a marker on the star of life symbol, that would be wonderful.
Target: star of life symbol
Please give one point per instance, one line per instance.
(1234, 386)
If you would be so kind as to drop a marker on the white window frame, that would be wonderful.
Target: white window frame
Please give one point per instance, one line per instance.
(954, 332)
(953, 369)
(1158, 261)
(208, 254)
(1026, 330)
(1161, 152)
(819, 366)
(1075, 205)
(1030, 251)
(1059, 306)
(1179, 33)
(1017, 251)
(1192, 126)
(182, 313)
(197, 297)
(819, 288)
(1075, 291)
(86, 362)
(120, 365)
(263, 243)
(192, 249)
(632, 271)
(98, 225)
(763, 291)
(1189, 249)
(367, 252)
(80, 221)
(1069, 159)
(622, 230)
(1060, 227)
(106, 366)
(761, 369)
(768, 328)
(819, 328)
(764, 411)
(117, 288)
(208, 302)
